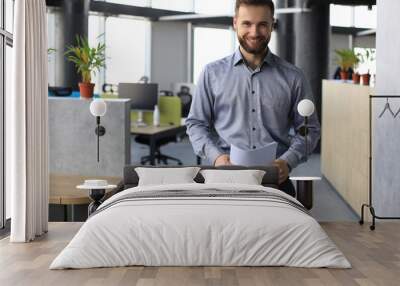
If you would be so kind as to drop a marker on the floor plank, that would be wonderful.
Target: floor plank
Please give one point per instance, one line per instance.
(375, 257)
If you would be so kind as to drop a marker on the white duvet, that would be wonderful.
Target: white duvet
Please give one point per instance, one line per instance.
(200, 231)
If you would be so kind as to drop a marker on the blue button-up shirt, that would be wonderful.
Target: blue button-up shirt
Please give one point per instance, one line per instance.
(234, 104)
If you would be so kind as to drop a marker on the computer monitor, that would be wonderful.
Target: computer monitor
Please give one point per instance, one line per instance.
(143, 96)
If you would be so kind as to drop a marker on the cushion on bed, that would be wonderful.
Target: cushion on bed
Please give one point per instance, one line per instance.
(131, 178)
(248, 177)
(166, 176)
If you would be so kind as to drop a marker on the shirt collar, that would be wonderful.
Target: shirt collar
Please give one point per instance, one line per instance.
(238, 58)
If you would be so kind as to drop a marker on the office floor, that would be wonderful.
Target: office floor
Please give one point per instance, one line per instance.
(374, 255)
(328, 205)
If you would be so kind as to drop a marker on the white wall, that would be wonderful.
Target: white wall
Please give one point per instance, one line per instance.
(386, 130)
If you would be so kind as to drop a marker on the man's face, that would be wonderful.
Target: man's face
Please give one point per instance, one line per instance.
(253, 25)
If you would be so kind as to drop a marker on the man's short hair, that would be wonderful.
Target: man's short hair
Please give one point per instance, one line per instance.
(267, 3)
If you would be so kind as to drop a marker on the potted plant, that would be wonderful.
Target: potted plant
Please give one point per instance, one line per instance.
(346, 59)
(86, 60)
(366, 59)
(356, 75)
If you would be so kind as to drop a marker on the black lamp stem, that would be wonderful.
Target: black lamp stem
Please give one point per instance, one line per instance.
(305, 138)
(98, 138)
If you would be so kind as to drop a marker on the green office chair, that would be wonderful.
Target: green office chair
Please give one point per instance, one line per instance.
(170, 113)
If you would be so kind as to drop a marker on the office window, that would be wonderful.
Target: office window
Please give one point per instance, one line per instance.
(2, 131)
(51, 42)
(127, 48)
(365, 18)
(366, 65)
(209, 45)
(341, 15)
(9, 10)
(353, 16)
(142, 3)
(175, 5)
(6, 27)
(96, 35)
(8, 86)
(220, 7)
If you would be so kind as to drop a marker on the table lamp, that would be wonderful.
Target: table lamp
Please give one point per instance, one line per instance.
(306, 109)
(98, 108)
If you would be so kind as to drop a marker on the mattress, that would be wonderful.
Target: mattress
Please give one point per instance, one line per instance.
(201, 225)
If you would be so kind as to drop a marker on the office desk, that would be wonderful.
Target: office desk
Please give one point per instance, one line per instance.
(156, 133)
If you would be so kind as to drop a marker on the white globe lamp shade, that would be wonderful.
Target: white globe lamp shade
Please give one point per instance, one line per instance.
(305, 107)
(98, 107)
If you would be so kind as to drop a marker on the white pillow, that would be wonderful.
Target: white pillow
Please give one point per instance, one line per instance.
(166, 176)
(248, 177)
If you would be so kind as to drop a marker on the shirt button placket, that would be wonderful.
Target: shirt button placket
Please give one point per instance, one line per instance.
(253, 111)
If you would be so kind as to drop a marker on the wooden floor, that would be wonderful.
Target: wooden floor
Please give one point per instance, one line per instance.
(375, 257)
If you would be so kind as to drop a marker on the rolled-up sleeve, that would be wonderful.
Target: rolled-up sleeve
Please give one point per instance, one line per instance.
(199, 122)
(296, 152)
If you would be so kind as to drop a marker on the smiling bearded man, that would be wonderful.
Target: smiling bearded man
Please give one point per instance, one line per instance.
(249, 99)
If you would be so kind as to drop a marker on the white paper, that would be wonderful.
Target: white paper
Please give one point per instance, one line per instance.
(257, 157)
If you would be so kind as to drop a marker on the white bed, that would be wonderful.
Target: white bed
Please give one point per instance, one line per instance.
(265, 229)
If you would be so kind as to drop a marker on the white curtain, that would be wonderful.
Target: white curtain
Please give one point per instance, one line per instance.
(27, 123)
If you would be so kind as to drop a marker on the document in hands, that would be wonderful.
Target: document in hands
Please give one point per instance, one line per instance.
(257, 157)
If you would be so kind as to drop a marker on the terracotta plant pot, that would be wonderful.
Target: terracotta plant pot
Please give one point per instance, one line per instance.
(344, 75)
(356, 78)
(365, 78)
(86, 89)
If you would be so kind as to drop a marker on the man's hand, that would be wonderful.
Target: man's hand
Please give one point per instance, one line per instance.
(283, 170)
(222, 160)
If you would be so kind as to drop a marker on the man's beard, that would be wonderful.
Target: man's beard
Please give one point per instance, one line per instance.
(259, 49)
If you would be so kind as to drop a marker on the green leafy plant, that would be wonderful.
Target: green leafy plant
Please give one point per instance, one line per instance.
(368, 57)
(85, 58)
(357, 61)
(346, 59)
(51, 51)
